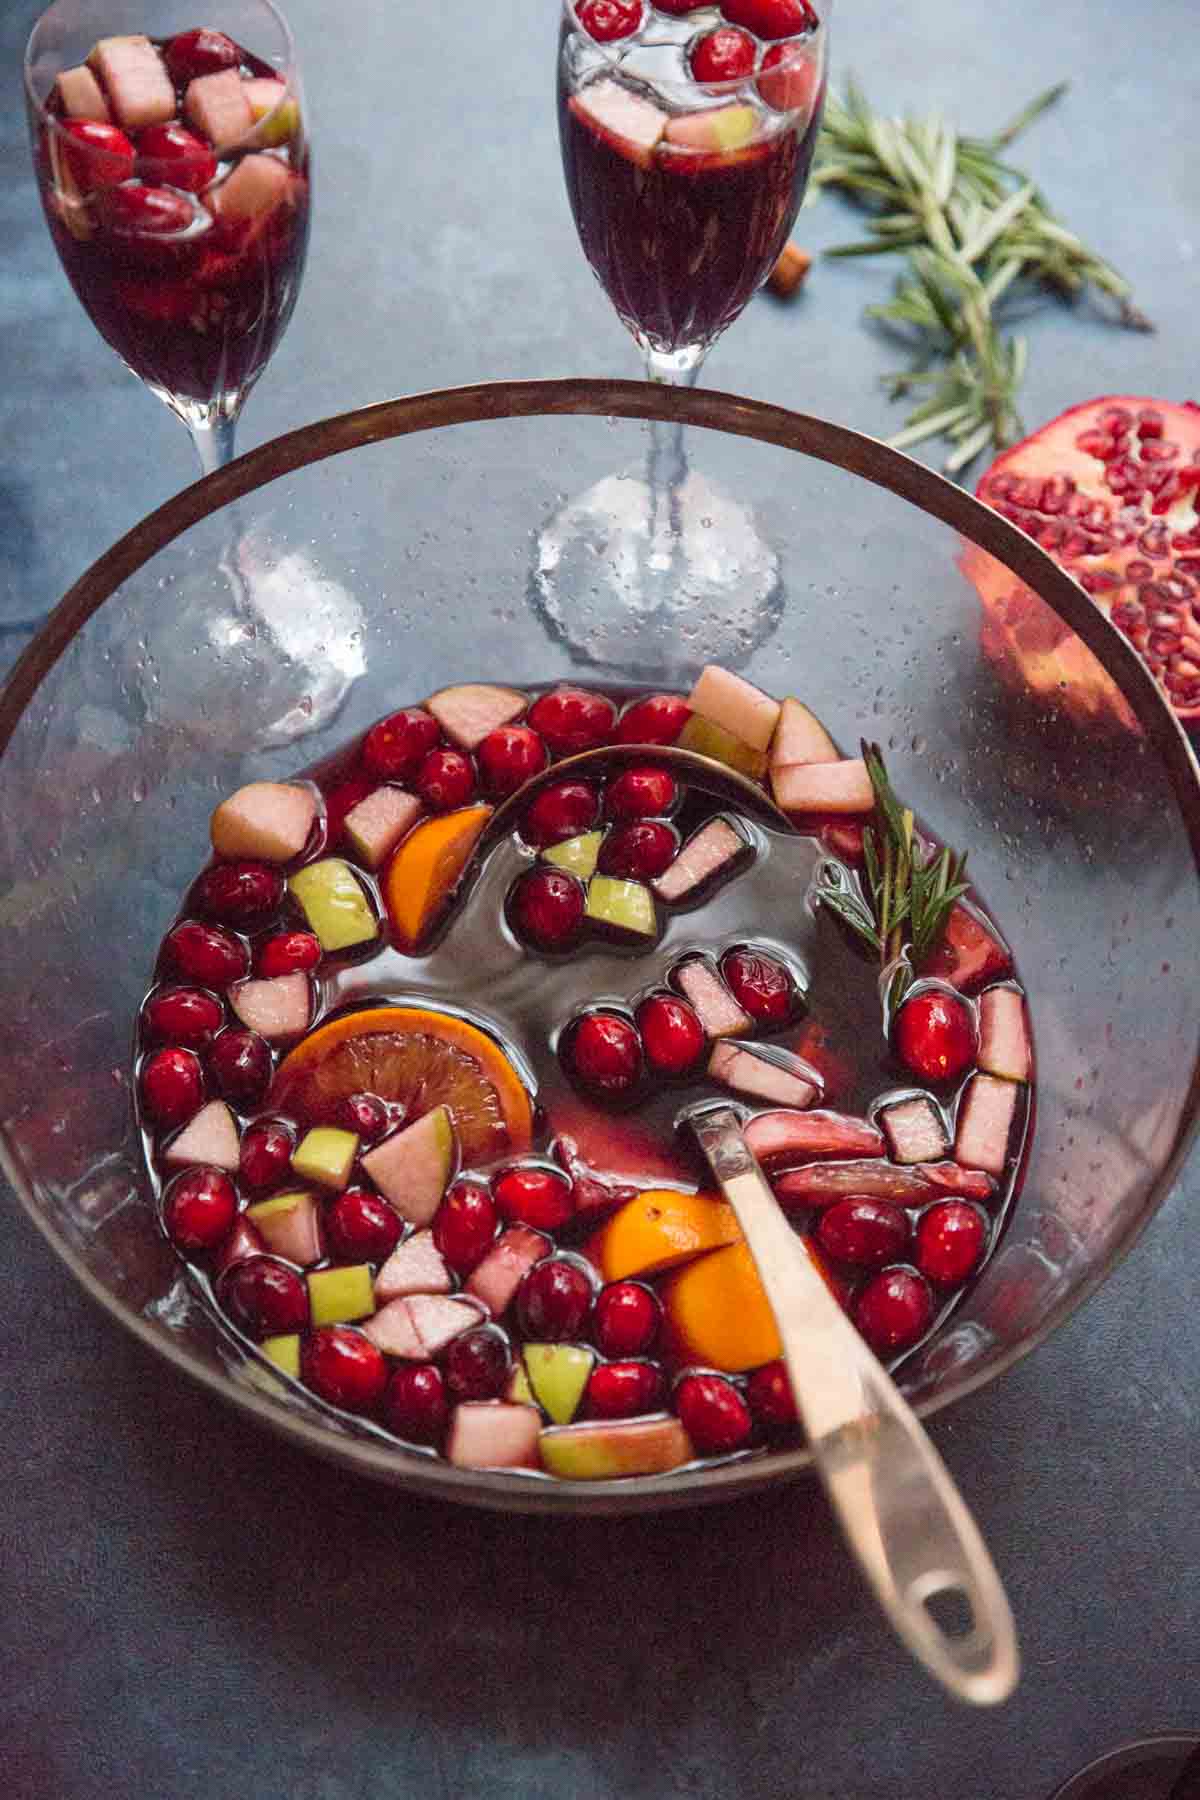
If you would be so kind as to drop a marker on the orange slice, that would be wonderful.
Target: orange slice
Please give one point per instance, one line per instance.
(420, 1059)
(717, 1314)
(658, 1230)
(427, 868)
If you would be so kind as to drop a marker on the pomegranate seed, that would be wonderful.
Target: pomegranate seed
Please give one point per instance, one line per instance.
(622, 1390)
(571, 719)
(343, 799)
(395, 748)
(762, 986)
(538, 1197)
(239, 893)
(363, 1114)
(641, 793)
(240, 1064)
(464, 1225)
(266, 1153)
(771, 18)
(934, 1034)
(415, 1405)
(264, 1297)
(659, 718)
(137, 211)
(509, 757)
(343, 1367)
(199, 52)
(99, 155)
(206, 954)
(672, 1035)
(185, 1016)
(894, 1310)
(867, 1233)
(639, 851)
(288, 953)
(769, 1393)
(477, 1364)
(607, 20)
(562, 810)
(951, 1238)
(172, 1086)
(725, 54)
(626, 1319)
(713, 1414)
(173, 154)
(1159, 451)
(362, 1227)
(606, 1053)
(446, 779)
(553, 1300)
(547, 908)
(199, 1208)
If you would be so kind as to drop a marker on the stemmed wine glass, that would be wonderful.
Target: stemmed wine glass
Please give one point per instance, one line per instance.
(173, 167)
(687, 134)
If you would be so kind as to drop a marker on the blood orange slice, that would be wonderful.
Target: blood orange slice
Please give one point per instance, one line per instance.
(420, 1059)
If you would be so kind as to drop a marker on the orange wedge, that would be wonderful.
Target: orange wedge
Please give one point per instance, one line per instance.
(659, 1229)
(420, 1059)
(427, 868)
(717, 1314)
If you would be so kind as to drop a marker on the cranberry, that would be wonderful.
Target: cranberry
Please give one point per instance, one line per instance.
(199, 52)
(343, 1367)
(445, 779)
(138, 211)
(477, 1364)
(639, 851)
(239, 893)
(606, 1053)
(934, 1034)
(867, 1233)
(677, 8)
(266, 1153)
(672, 1035)
(288, 953)
(844, 838)
(362, 1227)
(542, 1198)
(640, 793)
(622, 1390)
(207, 954)
(894, 1310)
(562, 810)
(787, 80)
(184, 1016)
(509, 757)
(553, 1300)
(341, 800)
(951, 1237)
(199, 1208)
(363, 1114)
(243, 1242)
(172, 1084)
(713, 1413)
(761, 985)
(264, 1297)
(659, 718)
(415, 1405)
(571, 719)
(395, 748)
(771, 18)
(173, 154)
(606, 20)
(626, 1319)
(769, 1393)
(547, 908)
(240, 1064)
(725, 54)
(464, 1225)
(99, 156)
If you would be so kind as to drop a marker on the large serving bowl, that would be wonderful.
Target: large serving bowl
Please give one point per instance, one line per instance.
(273, 610)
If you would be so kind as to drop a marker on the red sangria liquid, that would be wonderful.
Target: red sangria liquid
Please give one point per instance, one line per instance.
(174, 175)
(408, 1072)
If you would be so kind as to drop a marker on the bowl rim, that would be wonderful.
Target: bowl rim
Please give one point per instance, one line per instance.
(708, 409)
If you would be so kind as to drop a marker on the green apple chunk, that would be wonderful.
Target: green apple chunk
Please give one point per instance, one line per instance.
(325, 1155)
(334, 903)
(337, 1296)
(707, 739)
(625, 905)
(284, 1352)
(558, 1374)
(577, 855)
(603, 1449)
(518, 1389)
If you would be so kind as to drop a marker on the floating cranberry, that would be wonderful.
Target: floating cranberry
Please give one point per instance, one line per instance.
(713, 1413)
(547, 907)
(787, 79)
(288, 953)
(559, 811)
(264, 1297)
(626, 1319)
(206, 954)
(771, 18)
(199, 1209)
(640, 793)
(844, 838)
(239, 893)
(659, 718)
(266, 1154)
(672, 1035)
(199, 52)
(187, 1016)
(769, 1393)
(172, 1086)
(607, 20)
(622, 1390)
(605, 1053)
(553, 1300)
(762, 986)
(725, 54)
(464, 1225)
(445, 779)
(951, 1237)
(415, 1405)
(677, 8)
(934, 1034)
(477, 1364)
(362, 1227)
(344, 1368)
(363, 1114)
(97, 155)
(542, 1198)
(175, 155)
(395, 748)
(243, 1242)
(240, 1064)
(894, 1310)
(867, 1233)
(571, 719)
(139, 211)
(509, 757)
(639, 851)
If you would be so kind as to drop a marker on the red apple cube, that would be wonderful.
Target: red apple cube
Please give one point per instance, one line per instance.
(135, 79)
(468, 713)
(1004, 1047)
(634, 123)
(278, 1006)
(440, 1320)
(824, 787)
(715, 847)
(290, 1225)
(728, 701)
(414, 1267)
(268, 821)
(493, 1434)
(255, 188)
(776, 1137)
(800, 737)
(393, 1331)
(915, 1130)
(211, 1137)
(759, 1077)
(496, 1279)
(81, 96)
(412, 1168)
(376, 825)
(718, 1011)
(217, 106)
(985, 1117)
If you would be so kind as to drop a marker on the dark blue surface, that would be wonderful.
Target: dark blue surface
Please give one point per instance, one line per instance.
(192, 1611)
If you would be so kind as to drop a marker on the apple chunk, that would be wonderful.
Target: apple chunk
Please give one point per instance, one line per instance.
(493, 1434)
(218, 107)
(255, 188)
(338, 1296)
(726, 700)
(624, 906)
(800, 737)
(823, 787)
(334, 903)
(80, 94)
(134, 76)
(719, 1012)
(915, 1130)
(277, 1006)
(1004, 1047)
(468, 713)
(782, 1080)
(412, 1168)
(211, 1137)
(290, 1225)
(376, 825)
(985, 1117)
(326, 1155)
(714, 850)
(707, 739)
(632, 120)
(603, 1449)
(265, 820)
(558, 1374)
(577, 855)
(415, 1267)
(496, 1279)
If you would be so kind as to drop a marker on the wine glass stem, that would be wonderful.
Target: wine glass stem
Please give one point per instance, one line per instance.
(214, 442)
(666, 462)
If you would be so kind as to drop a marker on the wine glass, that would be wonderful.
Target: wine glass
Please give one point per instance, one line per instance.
(173, 168)
(687, 135)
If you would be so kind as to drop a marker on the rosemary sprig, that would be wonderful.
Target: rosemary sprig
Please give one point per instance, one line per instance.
(976, 232)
